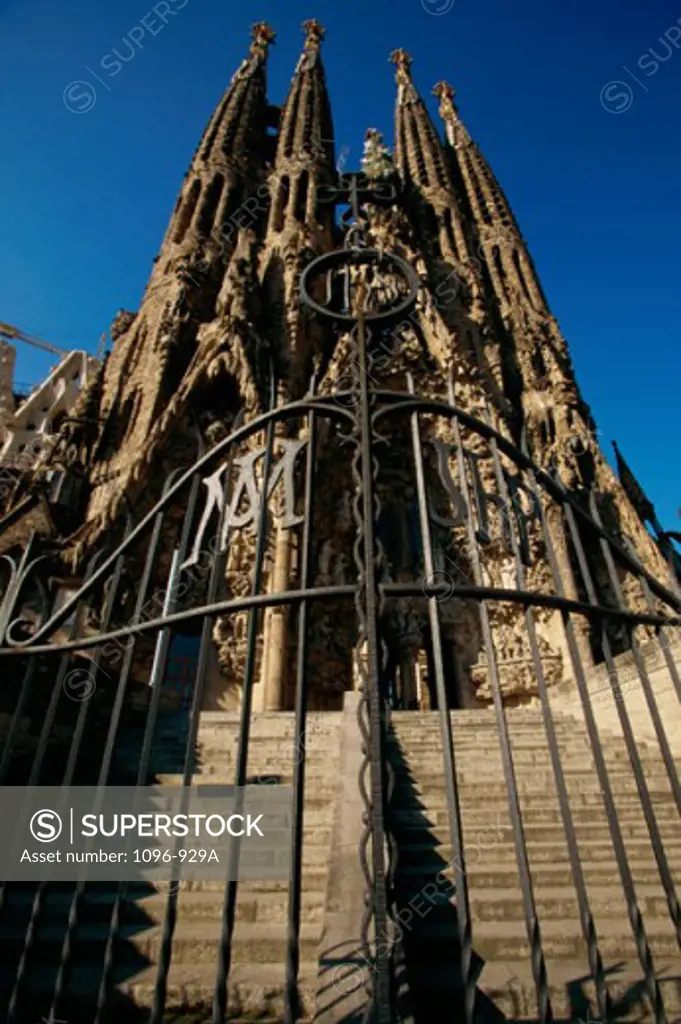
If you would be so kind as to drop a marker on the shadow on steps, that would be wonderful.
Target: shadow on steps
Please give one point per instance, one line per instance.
(430, 946)
(430, 967)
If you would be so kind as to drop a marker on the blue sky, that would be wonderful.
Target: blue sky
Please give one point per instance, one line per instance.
(591, 169)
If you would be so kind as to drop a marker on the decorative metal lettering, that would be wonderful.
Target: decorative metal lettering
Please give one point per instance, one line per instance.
(247, 487)
(483, 499)
(511, 511)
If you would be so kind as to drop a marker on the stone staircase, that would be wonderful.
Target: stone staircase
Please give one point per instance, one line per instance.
(654, 656)
(419, 810)
(259, 940)
(501, 949)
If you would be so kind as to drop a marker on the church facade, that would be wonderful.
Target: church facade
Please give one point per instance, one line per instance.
(338, 461)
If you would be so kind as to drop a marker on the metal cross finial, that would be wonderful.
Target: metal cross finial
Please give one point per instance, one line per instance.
(314, 33)
(262, 35)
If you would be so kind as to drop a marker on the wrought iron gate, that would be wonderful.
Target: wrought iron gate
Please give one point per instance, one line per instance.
(102, 634)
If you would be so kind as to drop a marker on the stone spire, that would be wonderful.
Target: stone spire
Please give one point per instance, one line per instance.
(305, 150)
(446, 240)
(557, 423)
(233, 130)
(158, 359)
(298, 227)
(511, 268)
(231, 141)
(422, 164)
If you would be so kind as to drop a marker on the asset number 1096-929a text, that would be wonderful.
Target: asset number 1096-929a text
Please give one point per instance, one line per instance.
(193, 856)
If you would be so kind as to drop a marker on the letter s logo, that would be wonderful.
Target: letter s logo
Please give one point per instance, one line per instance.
(45, 826)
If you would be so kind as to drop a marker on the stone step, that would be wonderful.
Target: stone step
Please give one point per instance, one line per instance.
(574, 737)
(497, 800)
(504, 903)
(504, 874)
(255, 992)
(511, 989)
(194, 942)
(577, 743)
(432, 764)
(425, 753)
(426, 748)
(262, 728)
(542, 851)
(149, 909)
(431, 754)
(501, 941)
(270, 752)
(321, 786)
(574, 730)
(479, 817)
(489, 794)
(314, 880)
(316, 760)
(499, 832)
(318, 796)
(517, 720)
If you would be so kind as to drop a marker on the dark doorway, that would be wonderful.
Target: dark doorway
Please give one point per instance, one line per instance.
(452, 688)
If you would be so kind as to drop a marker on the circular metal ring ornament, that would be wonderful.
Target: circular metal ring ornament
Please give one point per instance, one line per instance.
(341, 257)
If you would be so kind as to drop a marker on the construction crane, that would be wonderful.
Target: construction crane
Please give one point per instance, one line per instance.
(9, 333)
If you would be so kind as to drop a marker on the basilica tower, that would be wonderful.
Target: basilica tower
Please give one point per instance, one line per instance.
(333, 516)
(222, 333)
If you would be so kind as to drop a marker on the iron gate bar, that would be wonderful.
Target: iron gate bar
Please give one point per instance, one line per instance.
(586, 917)
(160, 662)
(663, 642)
(527, 597)
(122, 890)
(632, 750)
(233, 604)
(635, 917)
(160, 656)
(347, 590)
(229, 905)
(463, 910)
(529, 907)
(74, 750)
(65, 955)
(170, 913)
(299, 742)
(645, 685)
(44, 736)
(404, 402)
